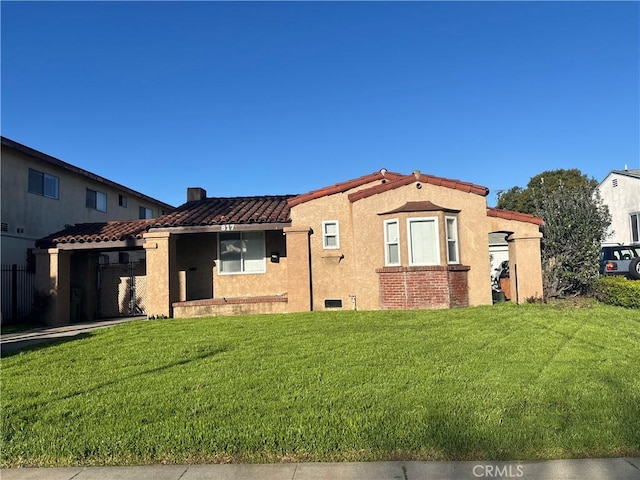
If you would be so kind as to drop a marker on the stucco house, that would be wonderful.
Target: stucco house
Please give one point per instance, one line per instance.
(620, 191)
(382, 241)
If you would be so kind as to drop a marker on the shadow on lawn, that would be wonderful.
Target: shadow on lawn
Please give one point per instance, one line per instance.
(31, 345)
(200, 355)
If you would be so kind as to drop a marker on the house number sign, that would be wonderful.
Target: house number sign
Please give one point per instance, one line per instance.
(227, 228)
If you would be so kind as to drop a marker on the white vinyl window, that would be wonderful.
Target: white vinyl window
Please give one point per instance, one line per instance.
(391, 243)
(242, 252)
(635, 227)
(452, 240)
(330, 234)
(424, 247)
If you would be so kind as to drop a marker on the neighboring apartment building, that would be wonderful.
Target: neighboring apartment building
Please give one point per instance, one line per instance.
(620, 191)
(42, 194)
(381, 241)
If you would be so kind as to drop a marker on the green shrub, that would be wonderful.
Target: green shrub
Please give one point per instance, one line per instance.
(618, 291)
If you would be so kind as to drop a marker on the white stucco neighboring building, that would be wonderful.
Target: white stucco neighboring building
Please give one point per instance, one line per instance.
(620, 191)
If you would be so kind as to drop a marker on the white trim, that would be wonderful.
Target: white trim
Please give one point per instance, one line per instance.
(436, 245)
(325, 236)
(453, 239)
(387, 263)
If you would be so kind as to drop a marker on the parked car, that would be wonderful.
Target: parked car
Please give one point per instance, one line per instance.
(620, 260)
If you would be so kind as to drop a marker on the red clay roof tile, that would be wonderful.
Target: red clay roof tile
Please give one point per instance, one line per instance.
(343, 187)
(510, 215)
(217, 211)
(97, 232)
(210, 211)
(420, 178)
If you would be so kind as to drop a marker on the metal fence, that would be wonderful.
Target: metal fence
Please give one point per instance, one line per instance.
(122, 289)
(18, 292)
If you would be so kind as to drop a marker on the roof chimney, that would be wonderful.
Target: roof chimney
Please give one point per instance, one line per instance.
(195, 194)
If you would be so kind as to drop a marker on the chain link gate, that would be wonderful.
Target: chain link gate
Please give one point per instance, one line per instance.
(122, 289)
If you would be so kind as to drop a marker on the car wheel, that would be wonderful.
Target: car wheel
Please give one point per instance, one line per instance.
(634, 269)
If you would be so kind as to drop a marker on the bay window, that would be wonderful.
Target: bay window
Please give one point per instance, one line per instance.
(424, 246)
(452, 239)
(391, 242)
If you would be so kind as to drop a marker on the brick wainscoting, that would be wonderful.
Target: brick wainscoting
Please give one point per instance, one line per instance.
(423, 287)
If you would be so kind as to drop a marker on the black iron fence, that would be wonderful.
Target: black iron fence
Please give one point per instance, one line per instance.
(18, 293)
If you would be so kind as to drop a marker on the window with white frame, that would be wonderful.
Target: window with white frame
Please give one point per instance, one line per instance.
(424, 246)
(96, 200)
(242, 252)
(452, 240)
(391, 242)
(635, 227)
(43, 184)
(330, 234)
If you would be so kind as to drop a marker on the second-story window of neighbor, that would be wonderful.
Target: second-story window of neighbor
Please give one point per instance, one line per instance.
(145, 213)
(44, 184)
(96, 200)
(122, 201)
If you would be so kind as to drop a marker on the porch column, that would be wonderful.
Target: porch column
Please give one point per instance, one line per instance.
(298, 269)
(162, 273)
(525, 267)
(53, 285)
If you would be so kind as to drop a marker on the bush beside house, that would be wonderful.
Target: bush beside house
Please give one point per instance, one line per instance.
(618, 291)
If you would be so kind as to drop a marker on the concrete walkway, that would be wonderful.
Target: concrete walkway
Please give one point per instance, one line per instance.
(587, 469)
(13, 342)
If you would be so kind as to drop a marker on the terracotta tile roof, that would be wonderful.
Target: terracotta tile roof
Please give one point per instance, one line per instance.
(510, 215)
(343, 187)
(97, 233)
(419, 178)
(209, 211)
(238, 210)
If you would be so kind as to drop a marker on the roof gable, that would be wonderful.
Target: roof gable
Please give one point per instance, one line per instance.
(344, 186)
(420, 178)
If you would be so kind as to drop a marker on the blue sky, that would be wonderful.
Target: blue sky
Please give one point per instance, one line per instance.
(253, 98)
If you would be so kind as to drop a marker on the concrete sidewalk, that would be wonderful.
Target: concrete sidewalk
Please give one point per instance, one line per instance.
(13, 342)
(585, 469)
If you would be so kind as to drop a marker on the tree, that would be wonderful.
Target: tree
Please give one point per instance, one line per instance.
(575, 224)
(524, 200)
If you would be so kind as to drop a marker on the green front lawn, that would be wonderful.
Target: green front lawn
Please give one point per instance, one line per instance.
(503, 382)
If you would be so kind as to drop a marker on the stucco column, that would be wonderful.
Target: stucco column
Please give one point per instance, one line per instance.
(162, 273)
(298, 269)
(525, 267)
(53, 284)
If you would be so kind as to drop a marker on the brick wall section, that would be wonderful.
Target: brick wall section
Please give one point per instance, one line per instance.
(408, 288)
